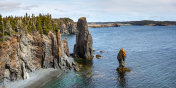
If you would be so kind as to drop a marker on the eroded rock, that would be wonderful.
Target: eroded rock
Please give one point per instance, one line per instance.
(25, 53)
(68, 26)
(65, 44)
(121, 59)
(83, 47)
(98, 56)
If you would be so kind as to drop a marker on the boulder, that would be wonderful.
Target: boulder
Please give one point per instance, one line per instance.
(98, 56)
(83, 47)
(101, 52)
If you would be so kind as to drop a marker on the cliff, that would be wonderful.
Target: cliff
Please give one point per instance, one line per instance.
(68, 26)
(26, 52)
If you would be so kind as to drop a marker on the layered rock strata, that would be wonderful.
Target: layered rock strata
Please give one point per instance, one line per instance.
(25, 53)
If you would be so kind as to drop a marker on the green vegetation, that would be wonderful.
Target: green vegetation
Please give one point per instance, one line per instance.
(153, 23)
(10, 25)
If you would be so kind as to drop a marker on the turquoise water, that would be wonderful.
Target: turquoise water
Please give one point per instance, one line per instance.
(151, 56)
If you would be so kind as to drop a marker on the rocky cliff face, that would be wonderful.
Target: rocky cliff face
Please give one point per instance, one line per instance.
(83, 47)
(68, 26)
(25, 53)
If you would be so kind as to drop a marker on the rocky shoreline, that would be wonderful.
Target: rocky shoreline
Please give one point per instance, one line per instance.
(27, 53)
(31, 59)
(37, 79)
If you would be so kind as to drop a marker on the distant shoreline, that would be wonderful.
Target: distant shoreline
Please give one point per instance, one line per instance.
(103, 25)
(138, 23)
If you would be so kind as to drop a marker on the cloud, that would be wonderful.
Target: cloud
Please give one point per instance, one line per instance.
(95, 10)
(60, 10)
(6, 6)
(29, 7)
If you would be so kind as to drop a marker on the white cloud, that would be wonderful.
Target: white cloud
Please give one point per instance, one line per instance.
(29, 7)
(5, 6)
(96, 10)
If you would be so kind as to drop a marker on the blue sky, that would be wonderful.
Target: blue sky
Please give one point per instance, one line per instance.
(94, 10)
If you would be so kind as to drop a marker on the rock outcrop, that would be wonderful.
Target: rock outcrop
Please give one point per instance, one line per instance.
(25, 53)
(65, 44)
(121, 58)
(83, 47)
(68, 26)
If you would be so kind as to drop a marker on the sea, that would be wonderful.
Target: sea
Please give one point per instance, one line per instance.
(151, 57)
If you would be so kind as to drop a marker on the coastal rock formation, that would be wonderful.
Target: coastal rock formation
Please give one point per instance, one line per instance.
(98, 56)
(25, 53)
(83, 47)
(66, 49)
(68, 26)
(121, 58)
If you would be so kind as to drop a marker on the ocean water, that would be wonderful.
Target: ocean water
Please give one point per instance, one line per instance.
(151, 56)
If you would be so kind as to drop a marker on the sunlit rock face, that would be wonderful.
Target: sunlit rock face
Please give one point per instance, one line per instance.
(65, 45)
(83, 47)
(25, 53)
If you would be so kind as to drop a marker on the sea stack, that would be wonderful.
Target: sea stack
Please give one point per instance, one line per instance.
(83, 47)
(121, 58)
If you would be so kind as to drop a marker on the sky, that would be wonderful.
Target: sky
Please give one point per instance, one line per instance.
(94, 10)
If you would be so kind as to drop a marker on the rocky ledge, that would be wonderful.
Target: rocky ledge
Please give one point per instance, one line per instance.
(26, 52)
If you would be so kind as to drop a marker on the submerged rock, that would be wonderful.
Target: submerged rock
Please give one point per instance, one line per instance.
(76, 68)
(83, 47)
(101, 52)
(123, 70)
